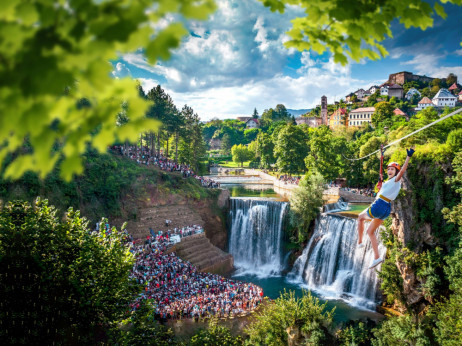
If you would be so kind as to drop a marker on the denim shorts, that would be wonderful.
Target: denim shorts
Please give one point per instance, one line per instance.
(380, 209)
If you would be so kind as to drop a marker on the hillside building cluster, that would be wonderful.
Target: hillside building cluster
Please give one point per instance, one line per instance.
(349, 116)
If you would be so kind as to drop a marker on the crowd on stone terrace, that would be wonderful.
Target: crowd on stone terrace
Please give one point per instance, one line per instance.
(143, 156)
(287, 179)
(179, 290)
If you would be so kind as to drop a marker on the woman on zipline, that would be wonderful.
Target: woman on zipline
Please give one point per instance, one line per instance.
(380, 209)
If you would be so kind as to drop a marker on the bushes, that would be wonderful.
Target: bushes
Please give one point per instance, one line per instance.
(302, 320)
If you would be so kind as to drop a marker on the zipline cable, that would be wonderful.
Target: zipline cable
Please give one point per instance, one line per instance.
(412, 133)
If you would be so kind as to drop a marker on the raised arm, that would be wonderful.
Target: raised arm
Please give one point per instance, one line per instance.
(410, 152)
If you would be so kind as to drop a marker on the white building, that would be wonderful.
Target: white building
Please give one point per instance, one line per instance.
(360, 93)
(384, 90)
(444, 98)
(252, 124)
(359, 116)
(424, 103)
(411, 92)
(373, 89)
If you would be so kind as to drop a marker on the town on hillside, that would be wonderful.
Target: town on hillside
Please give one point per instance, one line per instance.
(406, 92)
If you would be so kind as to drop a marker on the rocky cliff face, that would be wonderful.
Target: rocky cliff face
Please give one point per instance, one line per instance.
(416, 219)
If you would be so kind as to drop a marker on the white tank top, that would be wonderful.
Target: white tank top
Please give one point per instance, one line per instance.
(390, 189)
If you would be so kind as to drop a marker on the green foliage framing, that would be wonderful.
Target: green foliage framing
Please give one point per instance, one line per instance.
(54, 54)
(355, 28)
(305, 319)
(59, 282)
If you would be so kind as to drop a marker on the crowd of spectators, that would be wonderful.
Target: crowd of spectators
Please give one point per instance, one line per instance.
(143, 156)
(179, 290)
(287, 179)
(364, 191)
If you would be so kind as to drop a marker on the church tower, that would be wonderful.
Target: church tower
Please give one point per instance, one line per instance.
(324, 110)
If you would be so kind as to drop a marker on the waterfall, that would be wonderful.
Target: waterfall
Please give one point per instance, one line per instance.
(332, 265)
(255, 239)
(337, 206)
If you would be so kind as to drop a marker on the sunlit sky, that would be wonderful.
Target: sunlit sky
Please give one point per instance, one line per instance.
(236, 61)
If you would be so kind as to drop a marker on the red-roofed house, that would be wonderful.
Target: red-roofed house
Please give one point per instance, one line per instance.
(459, 97)
(360, 115)
(424, 103)
(399, 112)
(453, 87)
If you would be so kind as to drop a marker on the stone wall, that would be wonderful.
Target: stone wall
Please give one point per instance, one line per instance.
(355, 197)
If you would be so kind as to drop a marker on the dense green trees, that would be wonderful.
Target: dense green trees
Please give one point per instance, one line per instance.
(290, 149)
(60, 282)
(292, 321)
(383, 111)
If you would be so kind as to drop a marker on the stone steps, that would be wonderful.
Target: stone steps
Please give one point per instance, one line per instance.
(154, 217)
(198, 250)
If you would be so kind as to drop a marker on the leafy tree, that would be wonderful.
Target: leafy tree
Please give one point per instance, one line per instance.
(192, 146)
(141, 329)
(61, 282)
(250, 135)
(55, 54)
(455, 139)
(451, 79)
(268, 116)
(291, 320)
(226, 145)
(210, 128)
(325, 153)
(164, 110)
(383, 111)
(265, 150)
(337, 26)
(290, 149)
(281, 112)
(305, 202)
(215, 335)
(401, 330)
(241, 153)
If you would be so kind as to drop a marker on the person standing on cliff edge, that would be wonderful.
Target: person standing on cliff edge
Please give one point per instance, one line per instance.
(380, 209)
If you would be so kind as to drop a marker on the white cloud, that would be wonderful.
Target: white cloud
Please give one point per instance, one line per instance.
(458, 52)
(121, 71)
(431, 65)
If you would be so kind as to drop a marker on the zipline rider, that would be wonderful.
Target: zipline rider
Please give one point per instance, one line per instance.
(381, 208)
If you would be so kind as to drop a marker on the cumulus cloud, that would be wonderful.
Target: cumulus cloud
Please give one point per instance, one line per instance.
(121, 70)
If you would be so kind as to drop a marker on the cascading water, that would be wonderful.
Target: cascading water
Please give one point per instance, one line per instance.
(256, 235)
(333, 265)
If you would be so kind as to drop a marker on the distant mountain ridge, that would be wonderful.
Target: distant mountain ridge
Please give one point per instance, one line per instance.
(298, 112)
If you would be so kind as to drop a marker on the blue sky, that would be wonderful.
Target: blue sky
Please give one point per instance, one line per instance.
(236, 61)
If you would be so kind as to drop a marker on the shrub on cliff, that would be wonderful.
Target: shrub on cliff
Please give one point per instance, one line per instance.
(292, 321)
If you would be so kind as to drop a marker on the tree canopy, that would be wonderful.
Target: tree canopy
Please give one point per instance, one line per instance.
(55, 54)
(354, 29)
